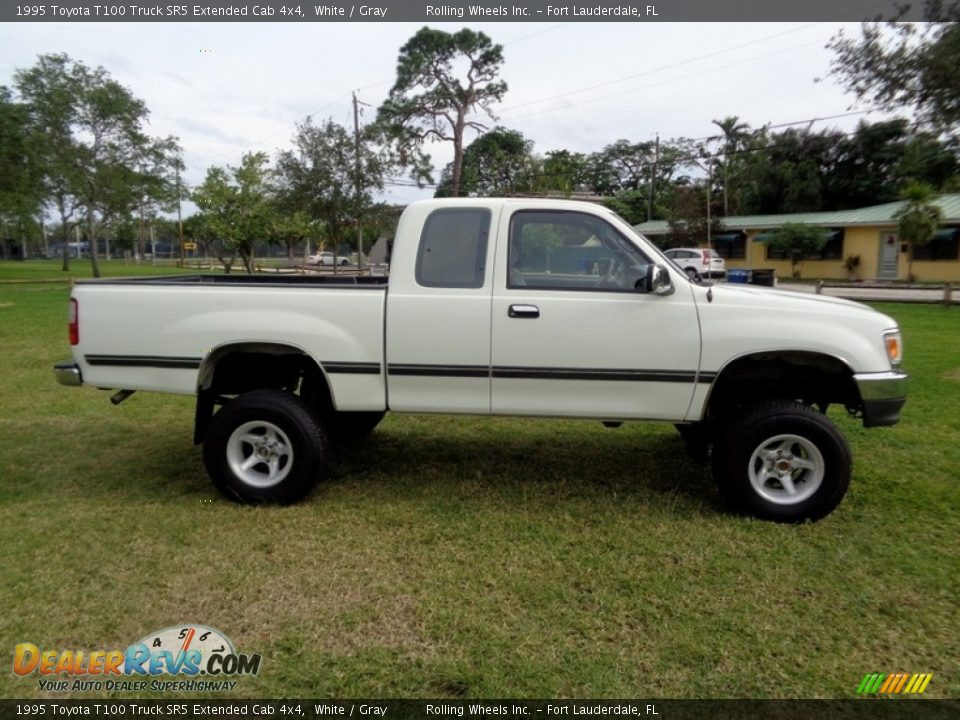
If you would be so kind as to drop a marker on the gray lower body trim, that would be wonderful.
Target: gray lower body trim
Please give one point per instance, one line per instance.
(883, 395)
(68, 373)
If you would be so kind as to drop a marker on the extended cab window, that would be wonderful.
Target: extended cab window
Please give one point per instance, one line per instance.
(562, 250)
(453, 248)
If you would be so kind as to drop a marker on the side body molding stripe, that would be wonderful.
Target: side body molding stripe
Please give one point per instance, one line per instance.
(448, 371)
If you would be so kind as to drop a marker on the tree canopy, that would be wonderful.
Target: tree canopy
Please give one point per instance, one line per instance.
(797, 241)
(235, 208)
(906, 65)
(496, 163)
(331, 175)
(91, 153)
(918, 219)
(443, 79)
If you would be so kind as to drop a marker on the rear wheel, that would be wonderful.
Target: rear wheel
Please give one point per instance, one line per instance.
(782, 461)
(266, 446)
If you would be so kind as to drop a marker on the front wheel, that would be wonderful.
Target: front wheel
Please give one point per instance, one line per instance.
(266, 446)
(782, 461)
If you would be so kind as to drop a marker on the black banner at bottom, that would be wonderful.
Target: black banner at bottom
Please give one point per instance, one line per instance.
(860, 709)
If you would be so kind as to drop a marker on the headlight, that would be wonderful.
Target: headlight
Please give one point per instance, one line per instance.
(894, 345)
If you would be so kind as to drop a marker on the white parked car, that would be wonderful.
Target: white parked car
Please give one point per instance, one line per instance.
(327, 258)
(698, 262)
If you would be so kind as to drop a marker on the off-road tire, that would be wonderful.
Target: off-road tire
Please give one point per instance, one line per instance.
(781, 461)
(266, 446)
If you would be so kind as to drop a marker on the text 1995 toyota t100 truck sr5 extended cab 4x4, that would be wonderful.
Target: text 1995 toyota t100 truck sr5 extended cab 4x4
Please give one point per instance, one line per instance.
(500, 307)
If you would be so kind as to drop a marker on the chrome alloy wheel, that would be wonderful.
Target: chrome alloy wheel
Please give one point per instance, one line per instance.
(260, 454)
(786, 469)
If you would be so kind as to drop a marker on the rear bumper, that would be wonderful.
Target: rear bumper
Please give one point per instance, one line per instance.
(883, 396)
(68, 373)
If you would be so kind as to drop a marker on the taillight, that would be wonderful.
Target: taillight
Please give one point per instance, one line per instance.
(74, 322)
(706, 258)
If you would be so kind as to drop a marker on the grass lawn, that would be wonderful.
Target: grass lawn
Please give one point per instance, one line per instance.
(475, 558)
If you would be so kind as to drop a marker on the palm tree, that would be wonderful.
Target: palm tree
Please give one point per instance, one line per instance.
(918, 219)
(734, 132)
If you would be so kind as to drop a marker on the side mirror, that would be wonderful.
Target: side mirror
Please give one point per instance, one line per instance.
(657, 281)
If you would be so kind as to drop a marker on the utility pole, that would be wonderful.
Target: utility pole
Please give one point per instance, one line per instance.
(709, 201)
(653, 177)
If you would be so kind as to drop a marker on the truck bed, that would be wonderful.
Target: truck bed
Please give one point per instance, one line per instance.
(159, 333)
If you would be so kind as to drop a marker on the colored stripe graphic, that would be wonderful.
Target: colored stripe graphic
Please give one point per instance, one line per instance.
(894, 683)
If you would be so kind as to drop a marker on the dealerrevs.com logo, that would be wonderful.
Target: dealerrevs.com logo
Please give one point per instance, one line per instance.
(201, 658)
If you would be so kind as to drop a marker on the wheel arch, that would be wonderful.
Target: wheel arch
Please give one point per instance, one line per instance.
(237, 367)
(813, 378)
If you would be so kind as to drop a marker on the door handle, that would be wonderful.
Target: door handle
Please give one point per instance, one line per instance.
(523, 311)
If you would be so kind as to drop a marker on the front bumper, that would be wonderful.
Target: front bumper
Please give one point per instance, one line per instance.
(883, 396)
(68, 373)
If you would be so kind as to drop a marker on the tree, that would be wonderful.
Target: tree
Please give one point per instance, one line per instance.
(496, 163)
(290, 228)
(918, 219)
(441, 79)
(797, 241)
(896, 65)
(88, 131)
(235, 209)
(734, 133)
(562, 171)
(783, 172)
(153, 182)
(49, 90)
(331, 178)
(621, 166)
(108, 139)
(20, 190)
(688, 220)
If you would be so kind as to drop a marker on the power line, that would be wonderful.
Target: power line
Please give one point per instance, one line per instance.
(658, 69)
(659, 83)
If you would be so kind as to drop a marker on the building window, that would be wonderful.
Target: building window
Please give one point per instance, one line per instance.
(945, 245)
(731, 246)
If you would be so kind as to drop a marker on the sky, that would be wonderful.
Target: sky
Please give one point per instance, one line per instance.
(229, 88)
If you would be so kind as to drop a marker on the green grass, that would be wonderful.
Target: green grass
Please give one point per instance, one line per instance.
(476, 558)
(51, 270)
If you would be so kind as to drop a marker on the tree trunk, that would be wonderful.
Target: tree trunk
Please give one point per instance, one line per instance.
(94, 265)
(457, 157)
(142, 240)
(726, 191)
(247, 258)
(66, 238)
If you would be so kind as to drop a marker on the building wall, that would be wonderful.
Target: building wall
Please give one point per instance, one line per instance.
(862, 241)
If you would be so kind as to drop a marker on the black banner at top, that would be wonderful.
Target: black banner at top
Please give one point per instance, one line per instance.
(422, 11)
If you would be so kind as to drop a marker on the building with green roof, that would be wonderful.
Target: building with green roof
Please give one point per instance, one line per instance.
(868, 234)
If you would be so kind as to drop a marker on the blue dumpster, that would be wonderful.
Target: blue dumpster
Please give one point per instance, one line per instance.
(738, 276)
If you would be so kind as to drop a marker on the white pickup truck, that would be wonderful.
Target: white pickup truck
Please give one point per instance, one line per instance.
(500, 307)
